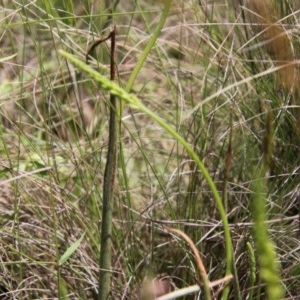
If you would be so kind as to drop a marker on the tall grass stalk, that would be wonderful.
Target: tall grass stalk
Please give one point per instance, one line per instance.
(149, 46)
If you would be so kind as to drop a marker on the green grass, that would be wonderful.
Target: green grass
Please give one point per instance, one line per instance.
(197, 87)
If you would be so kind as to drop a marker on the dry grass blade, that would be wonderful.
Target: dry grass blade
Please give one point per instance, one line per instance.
(195, 288)
(277, 41)
(198, 259)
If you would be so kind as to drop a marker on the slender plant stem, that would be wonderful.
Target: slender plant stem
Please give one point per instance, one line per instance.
(149, 46)
(135, 73)
(108, 188)
(199, 262)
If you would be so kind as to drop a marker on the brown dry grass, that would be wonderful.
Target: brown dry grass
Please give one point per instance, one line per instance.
(276, 40)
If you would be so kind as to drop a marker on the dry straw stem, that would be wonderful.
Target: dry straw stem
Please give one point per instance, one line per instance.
(207, 285)
(278, 44)
(194, 289)
(202, 271)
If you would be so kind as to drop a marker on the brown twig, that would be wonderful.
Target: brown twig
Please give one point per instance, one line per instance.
(96, 44)
(201, 267)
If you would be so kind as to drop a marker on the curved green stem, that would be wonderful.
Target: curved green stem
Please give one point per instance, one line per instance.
(149, 46)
